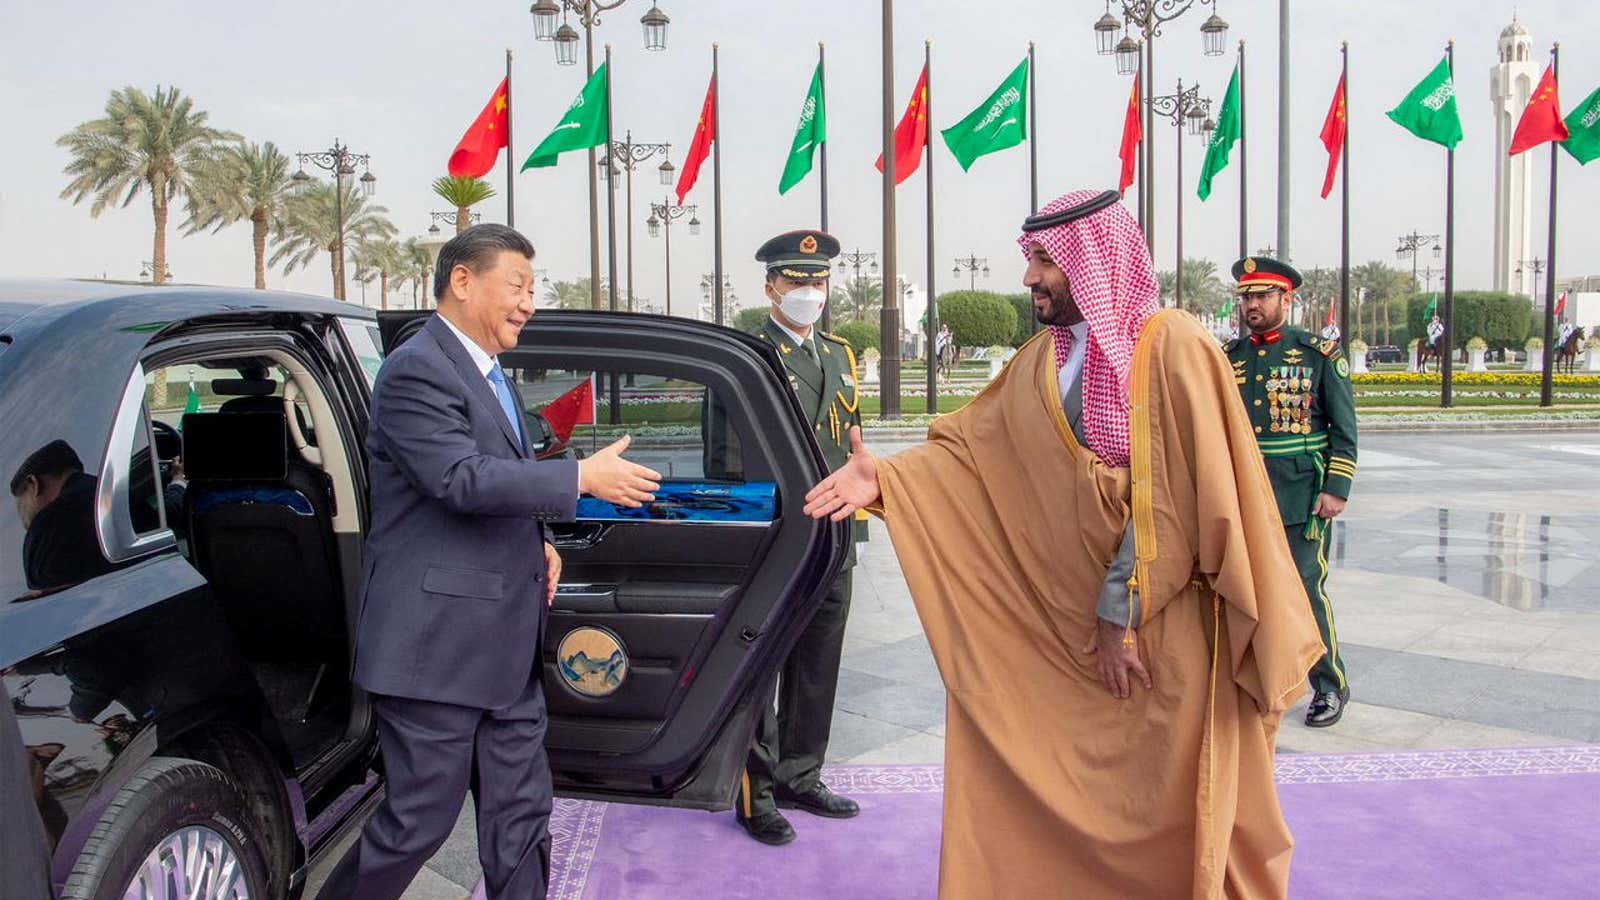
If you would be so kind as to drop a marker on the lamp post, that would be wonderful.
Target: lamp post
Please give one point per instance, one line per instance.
(1146, 18)
(708, 286)
(856, 260)
(453, 218)
(1411, 245)
(1187, 111)
(660, 222)
(1537, 267)
(627, 155)
(546, 15)
(972, 264)
(342, 163)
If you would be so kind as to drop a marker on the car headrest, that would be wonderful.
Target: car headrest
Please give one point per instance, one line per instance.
(243, 387)
(235, 446)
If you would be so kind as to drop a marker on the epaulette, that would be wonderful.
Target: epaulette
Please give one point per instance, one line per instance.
(833, 337)
(1228, 347)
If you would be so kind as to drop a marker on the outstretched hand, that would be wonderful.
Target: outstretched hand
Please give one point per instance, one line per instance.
(853, 487)
(615, 480)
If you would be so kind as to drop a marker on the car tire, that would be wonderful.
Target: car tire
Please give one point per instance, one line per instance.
(172, 814)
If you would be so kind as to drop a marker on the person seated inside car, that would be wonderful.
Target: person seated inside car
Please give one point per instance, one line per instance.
(55, 500)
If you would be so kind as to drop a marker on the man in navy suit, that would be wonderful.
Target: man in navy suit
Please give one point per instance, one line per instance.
(459, 572)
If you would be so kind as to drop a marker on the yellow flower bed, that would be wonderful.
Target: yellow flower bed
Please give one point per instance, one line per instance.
(1483, 379)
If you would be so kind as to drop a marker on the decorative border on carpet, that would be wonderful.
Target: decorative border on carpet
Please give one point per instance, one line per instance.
(1421, 765)
(574, 838)
(849, 780)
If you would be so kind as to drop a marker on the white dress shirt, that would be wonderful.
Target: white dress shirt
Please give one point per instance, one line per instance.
(1072, 370)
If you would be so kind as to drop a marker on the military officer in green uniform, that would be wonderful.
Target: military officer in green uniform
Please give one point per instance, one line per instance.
(785, 764)
(1296, 388)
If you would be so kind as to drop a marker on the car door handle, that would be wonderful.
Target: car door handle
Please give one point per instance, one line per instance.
(580, 536)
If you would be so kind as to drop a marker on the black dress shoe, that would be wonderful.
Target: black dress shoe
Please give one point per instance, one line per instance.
(1326, 708)
(768, 828)
(819, 801)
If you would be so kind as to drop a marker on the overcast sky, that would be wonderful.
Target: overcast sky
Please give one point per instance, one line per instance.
(402, 79)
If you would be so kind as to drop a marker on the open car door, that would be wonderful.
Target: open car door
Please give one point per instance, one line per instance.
(672, 620)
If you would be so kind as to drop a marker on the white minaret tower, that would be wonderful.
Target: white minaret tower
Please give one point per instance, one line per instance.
(1511, 83)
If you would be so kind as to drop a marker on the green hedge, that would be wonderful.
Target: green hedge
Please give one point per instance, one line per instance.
(860, 335)
(1505, 321)
(978, 318)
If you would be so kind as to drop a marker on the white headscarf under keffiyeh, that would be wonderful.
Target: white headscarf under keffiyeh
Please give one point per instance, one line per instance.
(1113, 284)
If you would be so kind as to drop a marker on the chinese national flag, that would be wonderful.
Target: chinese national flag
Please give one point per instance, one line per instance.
(474, 156)
(705, 134)
(1132, 134)
(1333, 131)
(568, 411)
(1561, 304)
(911, 135)
(1541, 120)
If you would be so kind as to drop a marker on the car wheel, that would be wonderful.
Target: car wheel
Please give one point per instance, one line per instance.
(177, 829)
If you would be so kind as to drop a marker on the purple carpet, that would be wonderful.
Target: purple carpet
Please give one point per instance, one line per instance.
(1464, 823)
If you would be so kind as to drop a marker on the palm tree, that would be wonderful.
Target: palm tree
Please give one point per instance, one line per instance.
(143, 142)
(1320, 290)
(572, 294)
(1203, 291)
(415, 267)
(858, 299)
(310, 226)
(242, 181)
(382, 259)
(462, 193)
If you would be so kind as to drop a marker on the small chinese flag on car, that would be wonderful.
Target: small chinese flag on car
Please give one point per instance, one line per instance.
(574, 408)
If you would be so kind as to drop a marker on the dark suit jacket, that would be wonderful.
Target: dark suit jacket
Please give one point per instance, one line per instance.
(453, 595)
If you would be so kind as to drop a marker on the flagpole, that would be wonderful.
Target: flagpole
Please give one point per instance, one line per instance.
(928, 314)
(1547, 383)
(1177, 216)
(1138, 174)
(1344, 201)
(889, 317)
(1033, 136)
(511, 187)
(822, 77)
(1447, 350)
(611, 238)
(716, 183)
(611, 201)
(1244, 156)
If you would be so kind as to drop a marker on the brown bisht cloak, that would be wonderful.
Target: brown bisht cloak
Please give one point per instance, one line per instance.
(1005, 528)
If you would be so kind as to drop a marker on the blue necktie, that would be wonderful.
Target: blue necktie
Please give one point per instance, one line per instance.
(508, 402)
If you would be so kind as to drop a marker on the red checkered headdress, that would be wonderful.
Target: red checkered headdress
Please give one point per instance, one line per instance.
(1096, 242)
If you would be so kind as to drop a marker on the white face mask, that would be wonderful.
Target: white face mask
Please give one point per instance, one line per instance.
(803, 305)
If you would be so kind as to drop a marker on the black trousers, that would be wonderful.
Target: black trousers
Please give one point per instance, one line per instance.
(792, 741)
(433, 754)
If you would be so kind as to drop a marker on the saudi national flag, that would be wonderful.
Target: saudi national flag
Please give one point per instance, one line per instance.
(808, 135)
(1429, 111)
(1433, 307)
(1584, 126)
(998, 123)
(191, 404)
(1228, 128)
(1227, 309)
(583, 126)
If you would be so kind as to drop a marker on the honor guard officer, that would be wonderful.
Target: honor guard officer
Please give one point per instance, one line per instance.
(1296, 388)
(785, 764)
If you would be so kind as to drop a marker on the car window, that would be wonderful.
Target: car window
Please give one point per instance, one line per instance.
(677, 426)
(366, 343)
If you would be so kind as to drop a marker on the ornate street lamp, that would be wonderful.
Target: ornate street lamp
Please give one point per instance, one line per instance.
(545, 13)
(667, 170)
(1106, 29)
(655, 28)
(1128, 51)
(342, 164)
(660, 222)
(1214, 34)
(1187, 111)
(566, 45)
